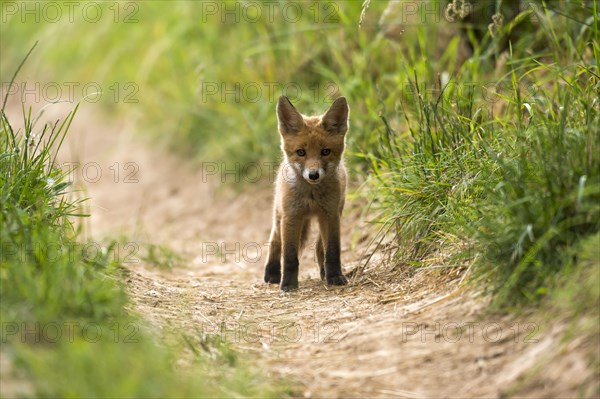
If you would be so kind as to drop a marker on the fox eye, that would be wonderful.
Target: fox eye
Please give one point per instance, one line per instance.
(325, 151)
(301, 152)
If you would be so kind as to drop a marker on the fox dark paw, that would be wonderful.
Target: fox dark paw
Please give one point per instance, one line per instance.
(272, 274)
(272, 278)
(289, 287)
(289, 282)
(337, 280)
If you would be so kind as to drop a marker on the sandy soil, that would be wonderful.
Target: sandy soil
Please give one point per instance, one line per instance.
(392, 332)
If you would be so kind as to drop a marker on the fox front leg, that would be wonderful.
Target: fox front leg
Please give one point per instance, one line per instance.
(330, 230)
(320, 256)
(273, 266)
(290, 239)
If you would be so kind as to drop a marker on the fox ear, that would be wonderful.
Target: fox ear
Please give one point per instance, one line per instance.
(289, 120)
(335, 120)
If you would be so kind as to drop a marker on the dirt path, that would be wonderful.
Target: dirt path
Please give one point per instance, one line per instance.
(388, 334)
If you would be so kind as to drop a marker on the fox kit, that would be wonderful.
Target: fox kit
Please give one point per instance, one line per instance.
(310, 185)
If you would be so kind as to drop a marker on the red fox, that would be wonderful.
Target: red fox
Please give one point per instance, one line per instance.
(311, 184)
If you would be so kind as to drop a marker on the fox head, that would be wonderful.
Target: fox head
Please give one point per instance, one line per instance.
(312, 145)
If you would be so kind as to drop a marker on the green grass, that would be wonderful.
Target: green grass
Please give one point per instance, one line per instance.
(519, 180)
(547, 196)
(42, 260)
(138, 369)
(580, 294)
(161, 256)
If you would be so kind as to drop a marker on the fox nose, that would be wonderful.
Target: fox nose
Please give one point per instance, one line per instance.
(313, 175)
